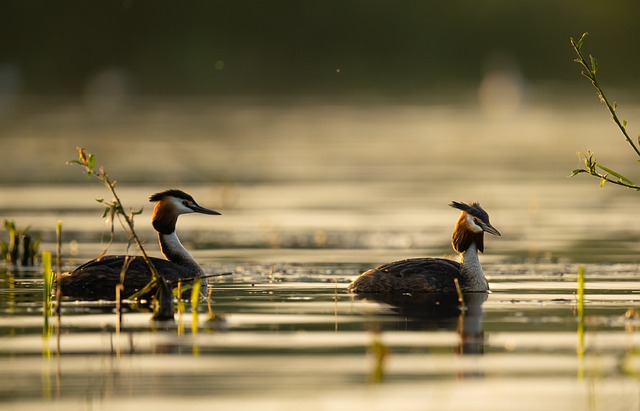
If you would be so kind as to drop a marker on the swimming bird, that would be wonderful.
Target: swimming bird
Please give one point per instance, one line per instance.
(436, 275)
(97, 279)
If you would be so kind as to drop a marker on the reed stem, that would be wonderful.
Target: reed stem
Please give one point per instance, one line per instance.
(163, 309)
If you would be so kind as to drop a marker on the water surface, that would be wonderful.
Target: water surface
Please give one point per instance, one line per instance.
(311, 196)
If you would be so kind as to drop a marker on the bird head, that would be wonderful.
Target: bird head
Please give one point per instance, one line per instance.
(471, 226)
(169, 205)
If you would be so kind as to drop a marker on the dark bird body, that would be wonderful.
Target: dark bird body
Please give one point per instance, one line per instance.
(436, 275)
(97, 279)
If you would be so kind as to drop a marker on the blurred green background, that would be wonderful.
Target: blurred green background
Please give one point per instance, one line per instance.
(289, 47)
(282, 90)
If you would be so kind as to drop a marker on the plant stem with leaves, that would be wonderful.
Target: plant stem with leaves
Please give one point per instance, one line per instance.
(163, 309)
(605, 174)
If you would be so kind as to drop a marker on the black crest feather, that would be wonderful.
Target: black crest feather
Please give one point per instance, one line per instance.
(171, 193)
(474, 209)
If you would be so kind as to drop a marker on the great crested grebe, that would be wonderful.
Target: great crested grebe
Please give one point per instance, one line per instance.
(97, 279)
(436, 275)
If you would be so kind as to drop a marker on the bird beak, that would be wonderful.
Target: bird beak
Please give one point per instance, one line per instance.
(488, 228)
(198, 209)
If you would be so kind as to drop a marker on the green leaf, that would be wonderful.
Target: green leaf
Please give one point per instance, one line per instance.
(9, 225)
(613, 173)
(579, 171)
(195, 293)
(177, 293)
(594, 65)
(584, 35)
(604, 180)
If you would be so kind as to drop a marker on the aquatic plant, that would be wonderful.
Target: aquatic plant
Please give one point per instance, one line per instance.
(580, 306)
(593, 167)
(58, 266)
(22, 248)
(379, 352)
(163, 308)
(195, 299)
(213, 319)
(47, 274)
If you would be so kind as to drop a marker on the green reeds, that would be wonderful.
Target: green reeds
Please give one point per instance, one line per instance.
(47, 291)
(379, 351)
(50, 278)
(22, 247)
(580, 292)
(11, 249)
(580, 311)
(58, 267)
(195, 300)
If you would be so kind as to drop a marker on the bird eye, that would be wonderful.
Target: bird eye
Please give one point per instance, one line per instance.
(185, 203)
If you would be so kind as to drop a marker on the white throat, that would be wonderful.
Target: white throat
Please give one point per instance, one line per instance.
(174, 251)
(472, 274)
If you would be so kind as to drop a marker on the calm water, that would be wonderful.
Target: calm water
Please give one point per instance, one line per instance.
(291, 336)
(310, 197)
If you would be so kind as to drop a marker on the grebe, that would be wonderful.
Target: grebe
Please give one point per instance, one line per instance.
(436, 275)
(97, 279)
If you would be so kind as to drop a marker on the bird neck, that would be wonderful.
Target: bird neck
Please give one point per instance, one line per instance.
(471, 272)
(164, 218)
(174, 251)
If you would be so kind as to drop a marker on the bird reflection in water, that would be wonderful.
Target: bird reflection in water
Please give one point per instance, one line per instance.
(438, 311)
